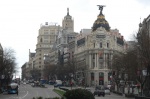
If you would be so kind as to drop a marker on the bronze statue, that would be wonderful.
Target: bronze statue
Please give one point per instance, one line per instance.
(101, 8)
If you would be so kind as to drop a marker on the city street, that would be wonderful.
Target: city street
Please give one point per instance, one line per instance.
(28, 92)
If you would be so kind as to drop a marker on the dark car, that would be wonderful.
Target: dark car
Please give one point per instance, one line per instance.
(99, 90)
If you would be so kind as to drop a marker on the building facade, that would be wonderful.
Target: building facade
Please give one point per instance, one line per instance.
(91, 50)
(94, 52)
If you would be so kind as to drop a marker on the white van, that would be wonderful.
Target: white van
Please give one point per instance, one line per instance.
(58, 83)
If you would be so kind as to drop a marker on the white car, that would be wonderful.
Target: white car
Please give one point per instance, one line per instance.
(24, 83)
(107, 91)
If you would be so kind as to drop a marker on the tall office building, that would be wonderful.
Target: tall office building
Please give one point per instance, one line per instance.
(52, 35)
(45, 40)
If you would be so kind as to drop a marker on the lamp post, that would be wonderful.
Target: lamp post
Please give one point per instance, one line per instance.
(71, 76)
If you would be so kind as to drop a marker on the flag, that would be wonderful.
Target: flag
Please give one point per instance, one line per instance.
(100, 53)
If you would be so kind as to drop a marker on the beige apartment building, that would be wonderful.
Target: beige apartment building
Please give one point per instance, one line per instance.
(51, 38)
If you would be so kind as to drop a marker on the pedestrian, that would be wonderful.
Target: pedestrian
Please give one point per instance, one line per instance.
(17, 89)
(71, 84)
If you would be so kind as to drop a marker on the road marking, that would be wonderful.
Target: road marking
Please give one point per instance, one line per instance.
(25, 95)
(47, 94)
(37, 93)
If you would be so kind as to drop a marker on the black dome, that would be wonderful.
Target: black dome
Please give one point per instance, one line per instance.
(100, 22)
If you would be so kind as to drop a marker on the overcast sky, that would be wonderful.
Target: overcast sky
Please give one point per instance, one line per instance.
(20, 19)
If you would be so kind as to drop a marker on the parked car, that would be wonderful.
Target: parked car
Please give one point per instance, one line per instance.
(51, 82)
(58, 83)
(99, 90)
(88, 89)
(107, 90)
(24, 83)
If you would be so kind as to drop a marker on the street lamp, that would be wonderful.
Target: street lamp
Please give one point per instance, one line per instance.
(71, 76)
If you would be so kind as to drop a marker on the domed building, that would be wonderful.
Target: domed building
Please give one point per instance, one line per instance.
(94, 52)
(101, 22)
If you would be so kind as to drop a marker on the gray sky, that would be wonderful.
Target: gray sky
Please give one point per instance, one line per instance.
(20, 19)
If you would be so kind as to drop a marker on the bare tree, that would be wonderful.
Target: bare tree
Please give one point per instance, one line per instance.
(35, 73)
(50, 71)
(9, 64)
(125, 66)
(143, 38)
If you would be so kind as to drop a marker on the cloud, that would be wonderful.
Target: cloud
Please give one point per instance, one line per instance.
(144, 2)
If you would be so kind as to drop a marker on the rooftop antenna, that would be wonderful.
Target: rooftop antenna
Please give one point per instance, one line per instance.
(67, 11)
(140, 25)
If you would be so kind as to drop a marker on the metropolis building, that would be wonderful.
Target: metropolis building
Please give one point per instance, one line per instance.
(94, 52)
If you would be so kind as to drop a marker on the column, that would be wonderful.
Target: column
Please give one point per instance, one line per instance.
(96, 78)
(106, 78)
(103, 60)
(89, 78)
(95, 62)
(90, 61)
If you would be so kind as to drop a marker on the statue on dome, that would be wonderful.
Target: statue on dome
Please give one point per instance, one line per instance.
(101, 8)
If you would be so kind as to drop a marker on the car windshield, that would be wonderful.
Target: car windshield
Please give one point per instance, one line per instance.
(99, 88)
(106, 88)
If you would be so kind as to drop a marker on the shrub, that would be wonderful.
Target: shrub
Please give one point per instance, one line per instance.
(45, 98)
(79, 94)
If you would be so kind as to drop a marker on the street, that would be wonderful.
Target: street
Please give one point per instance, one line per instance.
(28, 92)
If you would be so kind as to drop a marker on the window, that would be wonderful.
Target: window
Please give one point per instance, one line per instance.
(93, 64)
(108, 56)
(101, 57)
(52, 31)
(101, 65)
(101, 45)
(45, 33)
(64, 39)
(45, 41)
(107, 45)
(93, 56)
(46, 37)
(41, 40)
(94, 45)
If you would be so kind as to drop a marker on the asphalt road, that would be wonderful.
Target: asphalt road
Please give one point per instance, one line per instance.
(28, 92)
